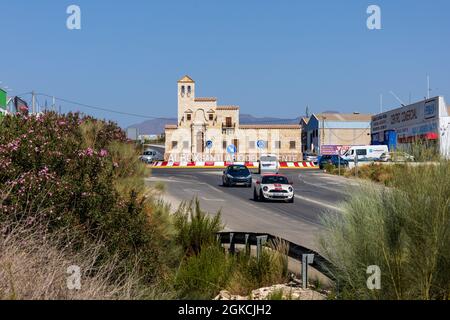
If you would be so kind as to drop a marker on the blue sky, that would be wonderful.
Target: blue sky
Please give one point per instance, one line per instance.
(270, 57)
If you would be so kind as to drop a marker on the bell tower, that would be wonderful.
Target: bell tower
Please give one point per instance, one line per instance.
(186, 97)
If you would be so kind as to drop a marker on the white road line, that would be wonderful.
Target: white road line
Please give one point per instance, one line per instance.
(216, 200)
(326, 205)
(323, 187)
(155, 179)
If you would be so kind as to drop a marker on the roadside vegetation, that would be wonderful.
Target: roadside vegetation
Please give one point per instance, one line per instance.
(404, 229)
(72, 192)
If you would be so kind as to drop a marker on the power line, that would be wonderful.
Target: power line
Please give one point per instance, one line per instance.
(102, 108)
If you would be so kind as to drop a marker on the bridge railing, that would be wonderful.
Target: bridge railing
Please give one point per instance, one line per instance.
(306, 256)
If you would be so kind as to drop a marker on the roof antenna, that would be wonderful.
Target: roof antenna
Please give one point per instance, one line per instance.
(398, 99)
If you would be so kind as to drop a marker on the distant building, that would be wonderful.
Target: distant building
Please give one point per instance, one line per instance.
(207, 131)
(330, 133)
(426, 121)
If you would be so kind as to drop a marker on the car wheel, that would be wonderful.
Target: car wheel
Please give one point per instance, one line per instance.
(261, 196)
(255, 195)
(224, 183)
(291, 200)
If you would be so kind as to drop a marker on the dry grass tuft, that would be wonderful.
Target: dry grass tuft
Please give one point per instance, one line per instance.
(33, 267)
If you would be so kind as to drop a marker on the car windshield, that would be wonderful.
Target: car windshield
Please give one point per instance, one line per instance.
(275, 180)
(239, 170)
(268, 159)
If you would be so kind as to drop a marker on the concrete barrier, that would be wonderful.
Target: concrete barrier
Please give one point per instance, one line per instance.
(223, 165)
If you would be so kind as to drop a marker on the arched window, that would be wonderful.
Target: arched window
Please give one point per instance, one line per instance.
(183, 91)
(189, 91)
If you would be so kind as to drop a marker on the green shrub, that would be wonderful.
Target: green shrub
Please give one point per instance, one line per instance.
(375, 172)
(195, 227)
(202, 276)
(405, 230)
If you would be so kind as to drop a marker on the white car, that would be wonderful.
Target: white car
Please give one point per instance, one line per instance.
(273, 187)
(150, 156)
(268, 164)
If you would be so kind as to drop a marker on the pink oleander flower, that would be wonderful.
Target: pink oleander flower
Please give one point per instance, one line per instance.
(89, 152)
(103, 153)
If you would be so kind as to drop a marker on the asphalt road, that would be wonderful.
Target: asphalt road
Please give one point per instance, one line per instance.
(317, 194)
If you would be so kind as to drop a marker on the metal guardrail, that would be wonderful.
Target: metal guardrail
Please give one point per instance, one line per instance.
(306, 256)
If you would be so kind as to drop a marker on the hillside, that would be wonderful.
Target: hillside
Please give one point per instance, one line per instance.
(156, 126)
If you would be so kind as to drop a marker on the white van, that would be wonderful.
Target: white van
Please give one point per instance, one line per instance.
(268, 164)
(365, 153)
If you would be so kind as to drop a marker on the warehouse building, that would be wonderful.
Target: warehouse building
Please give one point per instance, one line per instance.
(207, 131)
(331, 133)
(426, 122)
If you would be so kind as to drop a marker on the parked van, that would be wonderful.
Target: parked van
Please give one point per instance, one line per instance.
(365, 153)
(268, 164)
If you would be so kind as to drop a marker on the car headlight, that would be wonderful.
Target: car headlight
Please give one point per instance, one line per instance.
(249, 177)
(229, 176)
(265, 189)
(290, 189)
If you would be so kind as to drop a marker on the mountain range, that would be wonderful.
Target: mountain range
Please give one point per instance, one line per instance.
(156, 126)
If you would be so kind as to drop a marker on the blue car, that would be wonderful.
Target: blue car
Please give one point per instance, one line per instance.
(334, 160)
(237, 176)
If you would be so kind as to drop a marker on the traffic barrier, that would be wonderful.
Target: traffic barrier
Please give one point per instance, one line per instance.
(222, 165)
(295, 251)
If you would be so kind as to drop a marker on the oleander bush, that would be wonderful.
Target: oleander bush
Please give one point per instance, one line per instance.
(403, 229)
(80, 174)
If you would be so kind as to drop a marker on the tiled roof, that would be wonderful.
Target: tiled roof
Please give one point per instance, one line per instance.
(270, 126)
(171, 126)
(207, 99)
(227, 108)
(356, 117)
(186, 79)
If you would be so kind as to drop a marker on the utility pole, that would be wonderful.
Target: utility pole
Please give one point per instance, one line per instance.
(381, 103)
(428, 87)
(33, 102)
(54, 104)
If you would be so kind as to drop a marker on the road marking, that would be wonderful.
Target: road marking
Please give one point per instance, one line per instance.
(156, 179)
(216, 200)
(323, 187)
(191, 190)
(330, 206)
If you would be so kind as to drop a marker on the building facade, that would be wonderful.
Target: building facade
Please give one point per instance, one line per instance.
(207, 131)
(426, 121)
(331, 133)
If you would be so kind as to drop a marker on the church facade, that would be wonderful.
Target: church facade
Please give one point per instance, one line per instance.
(207, 131)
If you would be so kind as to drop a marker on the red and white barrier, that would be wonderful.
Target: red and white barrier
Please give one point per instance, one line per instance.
(221, 165)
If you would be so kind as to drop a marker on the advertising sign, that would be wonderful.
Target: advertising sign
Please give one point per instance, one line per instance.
(3, 99)
(132, 134)
(334, 150)
(411, 120)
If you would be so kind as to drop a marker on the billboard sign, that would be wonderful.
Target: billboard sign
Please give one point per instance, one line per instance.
(3, 99)
(21, 106)
(411, 120)
(133, 134)
(334, 150)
